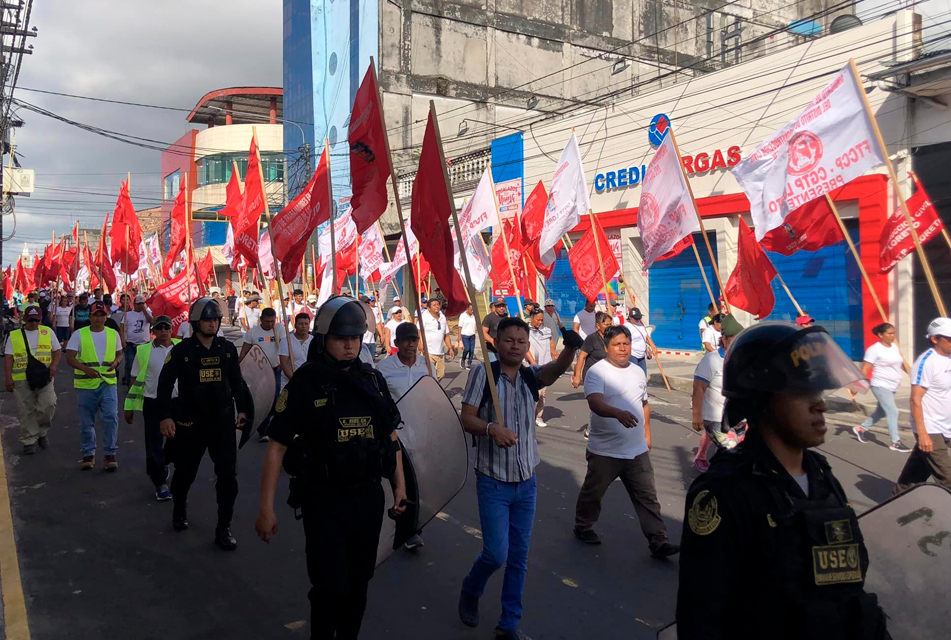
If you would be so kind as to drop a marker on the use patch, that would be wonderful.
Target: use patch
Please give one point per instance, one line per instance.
(836, 564)
(209, 375)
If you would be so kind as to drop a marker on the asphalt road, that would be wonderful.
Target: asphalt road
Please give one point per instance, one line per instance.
(99, 558)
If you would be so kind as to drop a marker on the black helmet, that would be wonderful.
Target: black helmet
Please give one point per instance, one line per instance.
(340, 316)
(772, 357)
(204, 309)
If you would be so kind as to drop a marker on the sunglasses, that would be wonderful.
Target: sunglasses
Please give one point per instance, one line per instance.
(160, 327)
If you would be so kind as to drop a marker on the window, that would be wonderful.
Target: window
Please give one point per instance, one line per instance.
(217, 169)
(172, 185)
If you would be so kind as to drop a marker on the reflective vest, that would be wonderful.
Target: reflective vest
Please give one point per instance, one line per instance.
(136, 398)
(87, 356)
(43, 351)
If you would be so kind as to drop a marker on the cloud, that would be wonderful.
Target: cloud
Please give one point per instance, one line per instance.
(168, 53)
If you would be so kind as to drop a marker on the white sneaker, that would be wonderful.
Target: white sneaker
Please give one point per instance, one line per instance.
(540, 423)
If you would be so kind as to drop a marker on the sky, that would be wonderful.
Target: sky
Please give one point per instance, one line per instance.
(166, 53)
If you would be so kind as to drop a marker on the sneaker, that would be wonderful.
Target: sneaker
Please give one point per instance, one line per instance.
(110, 463)
(44, 442)
(29, 449)
(414, 543)
(665, 550)
(899, 447)
(514, 634)
(162, 493)
(859, 434)
(587, 536)
(88, 462)
(468, 609)
(264, 439)
(224, 539)
(702, 464)
(540, 423)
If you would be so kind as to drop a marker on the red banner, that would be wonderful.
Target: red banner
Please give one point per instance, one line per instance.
(126, 234)
(246, 222)
(896, 241)
(687, 241)
(749, 285)
(583, 258)
(172, 298)
(369, 161)
(292, 227)
(501, 273)
(233, 197)
(179, 232)
(533, 218)
(808, 228)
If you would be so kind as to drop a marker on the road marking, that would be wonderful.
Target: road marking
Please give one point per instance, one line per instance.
(15, 619)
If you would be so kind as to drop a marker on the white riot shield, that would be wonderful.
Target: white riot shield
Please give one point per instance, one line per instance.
(259, 376)
(435, 461)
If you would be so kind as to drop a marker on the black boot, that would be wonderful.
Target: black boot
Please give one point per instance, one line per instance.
(180, 516)
(224, 539)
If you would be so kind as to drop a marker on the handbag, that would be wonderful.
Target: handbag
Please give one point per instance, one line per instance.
(37, 373)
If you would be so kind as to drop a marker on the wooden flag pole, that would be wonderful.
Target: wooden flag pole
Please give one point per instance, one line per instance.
(789, 293)
(399, 212)
(901, 198)
(386, 250)
(597, 248)
(277, 267)
(497, 405)
(313, 264)
(703, 274)
(505, 240)
(703, 231)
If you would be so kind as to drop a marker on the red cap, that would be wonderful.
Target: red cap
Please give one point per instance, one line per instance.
(32, 313)
(97, 307)
(806, 319)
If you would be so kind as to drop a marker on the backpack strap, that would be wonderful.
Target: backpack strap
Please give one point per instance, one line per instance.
(527, 375)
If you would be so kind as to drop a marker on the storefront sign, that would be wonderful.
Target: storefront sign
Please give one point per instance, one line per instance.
(619, 179)
(706, 162)
(510, 197)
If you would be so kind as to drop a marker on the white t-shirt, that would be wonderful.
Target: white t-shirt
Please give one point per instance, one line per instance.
(31, 339)
(625, 388)
(399, 377)
(436, 330)
(62, 315)
(98, 342)
(156, 362)
(886, 365)
(467, 324)
(391, 325)
(253, 316)
(540, 344)
(136, 327)
(264, 338)
(712, 336)
(710, 370)
(300, 353)
(933, 371)
(587, 325)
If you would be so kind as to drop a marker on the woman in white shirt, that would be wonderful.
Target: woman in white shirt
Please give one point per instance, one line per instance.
(389, 329)
(63, 311)
(886, 363)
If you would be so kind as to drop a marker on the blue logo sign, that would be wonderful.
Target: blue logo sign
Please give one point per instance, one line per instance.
(660, 125)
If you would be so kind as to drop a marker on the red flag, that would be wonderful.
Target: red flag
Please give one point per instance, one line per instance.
(103, 261)
(583, 258)
(429, 220)
(233, 198)
(533, 218)
(292, 227)
(246, 245)
(369, 161)
(205, 267)
(896, 241)
(500, 261)
(687, 241)
(172, 297)
(7, 284)
(126, 234)
(749, 285)
(810, 227)
(178, 235)
(253, 205)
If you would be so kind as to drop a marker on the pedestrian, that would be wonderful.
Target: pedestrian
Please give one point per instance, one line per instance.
(505, 462)
(467, 336)
(265, 335)
(216, 296)
(116, 313)
(711, 335)
(250, 313)
(641, 350)
(239, 305)
(930, 411)
(32, 384)
(438, 337)
(708, 397)
(541, 351)
(712, 310)
(210, 389)
(490, 325)
(805, 321)
(771, 546)
(389, 329)
(135, 327)
(885, 362)
(80, 317)
(334, 430)
(149, 359)
(232, 307)
(297, 345)
(95, 352)
(593, 350)
(585, 321)
(377, 319)
(373, 328)
(617, 313)
(62, 312)
(619, 445)
(553, 321)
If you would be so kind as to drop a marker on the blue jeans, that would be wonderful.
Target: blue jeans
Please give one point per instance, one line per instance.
(102, 401)
(886, 409)
(507, 513)
(641, 362)
(62, 334)
(468, 348)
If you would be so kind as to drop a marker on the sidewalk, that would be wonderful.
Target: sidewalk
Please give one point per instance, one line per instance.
(679, 370)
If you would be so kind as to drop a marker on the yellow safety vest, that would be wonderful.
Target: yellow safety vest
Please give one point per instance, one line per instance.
(43, 351)
(87, 355)
(136, 398)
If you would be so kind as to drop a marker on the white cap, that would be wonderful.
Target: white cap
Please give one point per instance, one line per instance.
(940, 327)
(215, 290)
(395, 310)
(139, 298)
(312, 298)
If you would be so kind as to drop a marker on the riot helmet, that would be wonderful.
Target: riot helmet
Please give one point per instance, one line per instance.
(204, 309)
(777, 357)
(340, 316)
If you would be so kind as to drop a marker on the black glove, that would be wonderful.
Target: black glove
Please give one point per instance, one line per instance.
(571, 338)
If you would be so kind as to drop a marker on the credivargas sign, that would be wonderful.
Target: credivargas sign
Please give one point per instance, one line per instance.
(696, 164)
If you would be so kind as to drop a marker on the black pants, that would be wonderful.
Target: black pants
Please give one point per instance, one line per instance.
(186, 450)
(154, 444)
(343, 532)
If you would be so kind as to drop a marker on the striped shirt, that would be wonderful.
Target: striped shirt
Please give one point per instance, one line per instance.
(516, 463)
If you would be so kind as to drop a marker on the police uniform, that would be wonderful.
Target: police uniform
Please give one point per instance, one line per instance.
(209, 387)
(338, 427)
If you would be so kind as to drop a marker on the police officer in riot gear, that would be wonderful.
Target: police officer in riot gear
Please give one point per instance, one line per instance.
(771, 546)
(334, 431)
(202, 417)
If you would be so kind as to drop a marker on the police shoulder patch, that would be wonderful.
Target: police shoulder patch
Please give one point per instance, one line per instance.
(168, 357)
(703, 517)
(281, 402)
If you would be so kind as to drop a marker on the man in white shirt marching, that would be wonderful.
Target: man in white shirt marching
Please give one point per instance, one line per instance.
(931, 411)
(250, 313)
(542, 349)
(553, 321)
(135, 327)
(389, 329)
(467, 336)
(584, 322)
(298, 344)
(437, 333)
(269, 339)
(711, 335)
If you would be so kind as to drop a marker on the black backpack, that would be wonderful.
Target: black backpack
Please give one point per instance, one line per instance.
(37, 373)
(526, 373)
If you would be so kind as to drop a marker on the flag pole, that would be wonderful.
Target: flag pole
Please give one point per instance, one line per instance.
(901, 198)
(277, 276)
(188, 243)
(703, 273)
(386, 250)
(597, 247)
(333, 223)
(399, 213)
(497, 405)
(703, 231)
(505, 240)
(789, 293)
(313, 265)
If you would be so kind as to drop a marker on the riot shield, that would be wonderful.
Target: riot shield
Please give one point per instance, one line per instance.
(435, 461)
(259, 377)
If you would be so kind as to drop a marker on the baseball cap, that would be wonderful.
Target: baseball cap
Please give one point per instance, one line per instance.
(805, 319)
(498, 301)
(98, 307)
(160, 320)
(395, 310)
(729, 326)
(32, 313)
(215, 290)
(406, 330)
(615, 303)
(139, 299)
(549, 302)
(396, 298)
(940, 327)
(636, 313)
(312, 298)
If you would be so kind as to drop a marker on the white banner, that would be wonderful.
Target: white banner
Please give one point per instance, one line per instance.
(567, 200)
(829, 144)
(666, 213)
(228, 249)
(371, 252)
(479, 213)
(326, 284)
(345, 234)
(478, 259)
